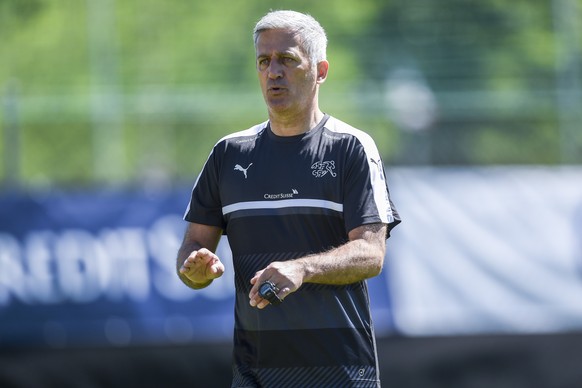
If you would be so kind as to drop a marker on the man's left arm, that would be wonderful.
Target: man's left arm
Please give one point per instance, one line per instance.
(362, 257)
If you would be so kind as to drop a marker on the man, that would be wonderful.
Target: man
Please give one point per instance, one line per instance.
(304, 202)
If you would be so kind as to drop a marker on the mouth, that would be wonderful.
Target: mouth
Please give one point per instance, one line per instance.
(276, 89)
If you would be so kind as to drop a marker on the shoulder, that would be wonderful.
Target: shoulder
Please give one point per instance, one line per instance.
(337, 126)
(236, 142)
(243, 136)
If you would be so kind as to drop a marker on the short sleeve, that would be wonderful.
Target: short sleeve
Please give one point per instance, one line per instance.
(366, 194)
(205, 206)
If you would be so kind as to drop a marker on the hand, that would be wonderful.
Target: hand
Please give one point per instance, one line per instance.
(287, 276)
(202, 266)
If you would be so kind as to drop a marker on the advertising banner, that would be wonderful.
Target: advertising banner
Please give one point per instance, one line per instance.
(98, 268)
(479, 250)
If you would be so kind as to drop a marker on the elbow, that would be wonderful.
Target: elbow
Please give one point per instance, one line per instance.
(380, 266)
(378, 256)
(375, 267)
(377, 263)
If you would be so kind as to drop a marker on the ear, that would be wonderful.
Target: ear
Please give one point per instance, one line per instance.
(322, 69)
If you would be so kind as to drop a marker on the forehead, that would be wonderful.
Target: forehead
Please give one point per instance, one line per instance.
(278, 41)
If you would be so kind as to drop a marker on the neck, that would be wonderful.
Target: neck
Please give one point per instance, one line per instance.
(294, 124)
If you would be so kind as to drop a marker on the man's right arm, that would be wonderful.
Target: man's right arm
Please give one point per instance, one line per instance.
(197, 265)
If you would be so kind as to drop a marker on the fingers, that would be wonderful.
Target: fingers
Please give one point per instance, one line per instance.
(257, 301)
(261, 303)
(254, 281)
(285, 276)
(217, 269)
(202, 256)
(202, 265)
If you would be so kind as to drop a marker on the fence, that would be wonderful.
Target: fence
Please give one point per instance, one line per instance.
(453, 84)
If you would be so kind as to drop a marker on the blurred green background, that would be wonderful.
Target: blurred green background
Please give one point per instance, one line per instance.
(136, 92)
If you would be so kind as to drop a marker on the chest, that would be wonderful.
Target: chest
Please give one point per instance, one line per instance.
(282, 171)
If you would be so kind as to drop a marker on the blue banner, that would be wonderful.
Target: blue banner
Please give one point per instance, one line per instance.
(98, 268)
(479, 251)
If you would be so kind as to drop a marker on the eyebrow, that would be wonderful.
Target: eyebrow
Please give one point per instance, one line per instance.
(286, 53)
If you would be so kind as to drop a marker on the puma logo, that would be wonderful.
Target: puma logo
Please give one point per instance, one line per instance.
(379, 167)
(238, 167)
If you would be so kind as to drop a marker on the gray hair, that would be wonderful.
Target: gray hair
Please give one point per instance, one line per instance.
(311, 34)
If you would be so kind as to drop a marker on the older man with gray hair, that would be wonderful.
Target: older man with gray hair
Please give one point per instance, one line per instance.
(304, 201)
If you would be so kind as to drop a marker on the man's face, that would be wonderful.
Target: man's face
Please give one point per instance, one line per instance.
(288, 80)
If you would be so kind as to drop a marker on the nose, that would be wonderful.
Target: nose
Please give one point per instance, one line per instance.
(275, 69)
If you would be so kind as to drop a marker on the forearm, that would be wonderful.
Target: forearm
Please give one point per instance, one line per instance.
(354, 261)
(360, 258)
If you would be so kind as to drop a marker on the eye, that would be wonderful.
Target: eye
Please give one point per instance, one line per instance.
(263, 63)
(289, 60)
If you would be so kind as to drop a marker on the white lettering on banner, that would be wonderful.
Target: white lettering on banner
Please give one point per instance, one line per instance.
(164, 238)
(115, 264)
(41, 282)
(11, 271)
(163, 241)
(126, 272)
(78, 254)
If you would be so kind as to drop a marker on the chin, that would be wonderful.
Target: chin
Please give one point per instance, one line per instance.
(278, 106)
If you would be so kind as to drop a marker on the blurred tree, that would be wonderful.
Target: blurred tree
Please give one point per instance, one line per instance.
(183, 75)
(490, 65)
